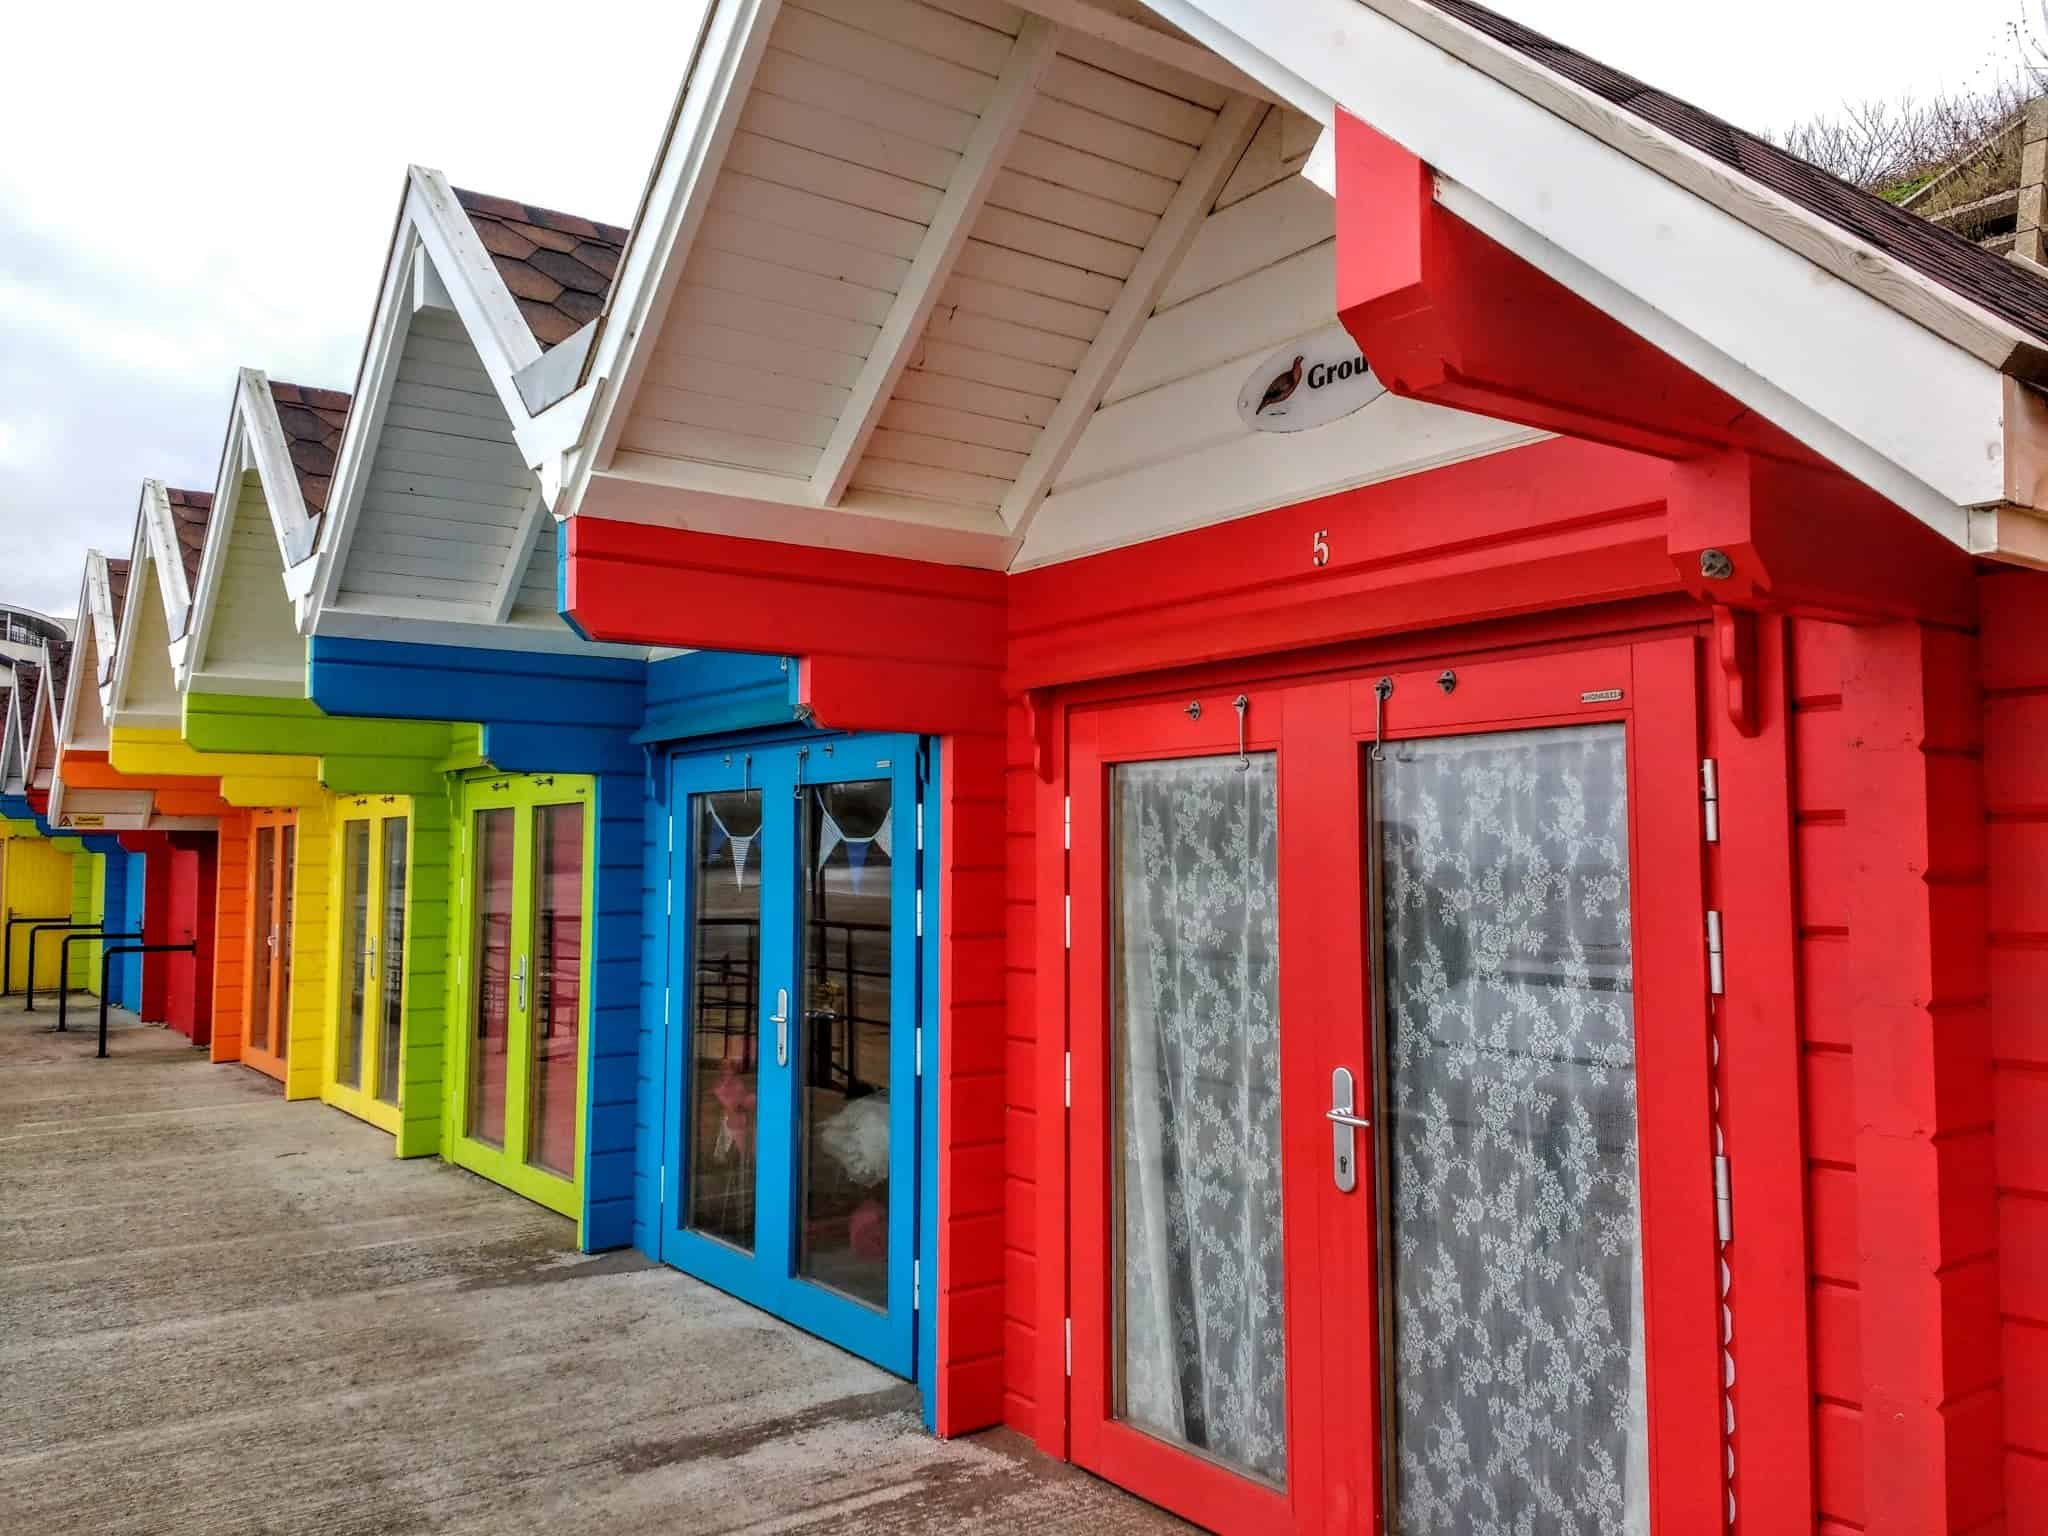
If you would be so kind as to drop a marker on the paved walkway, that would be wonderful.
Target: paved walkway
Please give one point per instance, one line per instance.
(220, 1313)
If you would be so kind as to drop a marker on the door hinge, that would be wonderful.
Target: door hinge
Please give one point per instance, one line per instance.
(671, 832)
(1710, 797)
(1070, 1346)
(1724, 1204)
(1068, 906)
(1067, 824)
(1716, 978)
(920, 914)
(662, 1198)
(917, 1048)
(920, 826)
(916, 1284)
(668, 898)
(665, 993)
(1067, 1093)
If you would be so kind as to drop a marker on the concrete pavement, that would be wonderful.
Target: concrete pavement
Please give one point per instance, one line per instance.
(221, 1313)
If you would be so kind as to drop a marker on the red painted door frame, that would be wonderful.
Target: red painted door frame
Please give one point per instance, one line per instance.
(1320, 728)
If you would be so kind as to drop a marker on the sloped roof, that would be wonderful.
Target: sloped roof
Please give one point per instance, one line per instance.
(312, 420)
(558, 266)
(2014, 293)
(117, 584)
(190, 513)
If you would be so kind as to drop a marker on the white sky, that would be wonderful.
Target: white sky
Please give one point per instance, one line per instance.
(186, 189)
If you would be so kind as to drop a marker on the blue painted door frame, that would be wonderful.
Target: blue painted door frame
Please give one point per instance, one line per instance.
(768, 1276)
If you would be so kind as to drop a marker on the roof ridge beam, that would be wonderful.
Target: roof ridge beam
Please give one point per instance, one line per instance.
(903, 329)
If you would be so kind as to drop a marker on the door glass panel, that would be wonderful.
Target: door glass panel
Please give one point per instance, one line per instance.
(1195, 989)
(557, 987)
(391, 961)
(492, 993)
(842, 1044)
(1514, 1259)
(355, 950)
(262, 927)
(281, 1002)
(725, 1010)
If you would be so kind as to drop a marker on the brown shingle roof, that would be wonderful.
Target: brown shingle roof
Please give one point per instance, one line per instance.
(190, 511)
(312, 420)
(2007, 289)
(558, 266)
(117, 588)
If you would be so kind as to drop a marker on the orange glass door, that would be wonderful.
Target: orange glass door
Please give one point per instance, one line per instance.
(266, 1029)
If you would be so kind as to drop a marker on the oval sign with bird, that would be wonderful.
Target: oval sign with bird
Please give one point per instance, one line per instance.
(1308, 383)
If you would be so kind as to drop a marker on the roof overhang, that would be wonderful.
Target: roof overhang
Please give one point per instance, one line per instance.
(1905, 385)
(436, 261)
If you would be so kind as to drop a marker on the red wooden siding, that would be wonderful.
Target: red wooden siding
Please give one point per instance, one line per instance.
(1890, 838)
(2014, 631)
(1020, 1096)
(230, 935)
(971, 1083)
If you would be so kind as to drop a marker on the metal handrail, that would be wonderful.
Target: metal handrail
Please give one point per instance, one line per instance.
(190, 947)
(64, 966)
(67, 926)
(7, 945)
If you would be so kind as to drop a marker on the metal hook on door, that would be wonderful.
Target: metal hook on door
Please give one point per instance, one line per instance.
(1242, 703)
(801, 754)
(1381, 692)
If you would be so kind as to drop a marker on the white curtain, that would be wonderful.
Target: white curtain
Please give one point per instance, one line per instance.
(1198, 1054)
(1518, 1397)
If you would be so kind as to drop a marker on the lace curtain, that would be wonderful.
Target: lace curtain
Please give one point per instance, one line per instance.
(1518, 1379)
(1198, 1053)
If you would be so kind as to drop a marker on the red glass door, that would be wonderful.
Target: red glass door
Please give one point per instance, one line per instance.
(1361, 1165)
(1215, 977)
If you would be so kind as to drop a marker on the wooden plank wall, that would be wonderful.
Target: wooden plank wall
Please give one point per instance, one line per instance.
(1020, 1077)
(230, 935)
(253, 625)
(1820, 814)
(312, 914)
(1905, 1260)
(2014, 608)
(429, 975)
(445, 456)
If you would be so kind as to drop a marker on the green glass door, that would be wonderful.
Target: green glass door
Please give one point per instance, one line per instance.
(525, 903)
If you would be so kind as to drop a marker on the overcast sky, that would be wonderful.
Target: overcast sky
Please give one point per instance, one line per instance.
(186, 189)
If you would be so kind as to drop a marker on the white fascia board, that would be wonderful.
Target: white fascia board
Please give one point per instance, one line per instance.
(732, 35)
(267, 451)
(478, 295)
(1963, 401)
(255, 441)
(115, 693)
(382, 348)
(161, 531)
(1932, 409)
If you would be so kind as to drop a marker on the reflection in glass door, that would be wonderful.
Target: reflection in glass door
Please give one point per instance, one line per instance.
(370, 851)
(266, 1036)
(528, 911)
(794, 1041)
(355, 952)
(722, 1122)
(558, 987)
(1513, 1238)
(491, 995)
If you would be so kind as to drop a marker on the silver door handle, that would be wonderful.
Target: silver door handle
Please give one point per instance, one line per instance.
(1344, 1129)
(780, 1019)
(519, 976)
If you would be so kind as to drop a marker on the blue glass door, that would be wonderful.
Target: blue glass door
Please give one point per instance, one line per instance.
(791, 1139)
